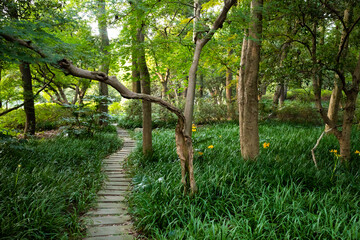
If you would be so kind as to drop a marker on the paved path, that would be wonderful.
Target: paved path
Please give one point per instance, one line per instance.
(110, 220)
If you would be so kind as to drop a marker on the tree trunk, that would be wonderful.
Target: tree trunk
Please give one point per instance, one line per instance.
(28, 99)
(164, 83)
(228, 90)
(190, 94)
(103, 88)
(282, 94)
(201, 89)
(0, 88)
(136, 86)
(277, 95)
(248, 86)
(336, 94)
(145, 88)
(334, 105)
(262, 90)
(199, 44)
(345, 139)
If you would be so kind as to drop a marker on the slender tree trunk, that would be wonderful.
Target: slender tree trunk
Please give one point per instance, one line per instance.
(262, 90)
(248, 87)
(199, 44)
(283, 94)
(190, 94)
(241, 85)
(145, 88)
(201, 89)
(103, 88)
(277, 95)
(136, 86)
(336, 94)
(228, 90)
(61, 95)
(164, 83)
(190, 91)
(0, 88)
(29, 106)
(334, 105)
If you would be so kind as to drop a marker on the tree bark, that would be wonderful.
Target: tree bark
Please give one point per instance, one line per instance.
(248, 83)
(0, 88)
(103, 88)
(228, 90)
(336, 94)
(135, 74)
(145, 88)
(29, 106)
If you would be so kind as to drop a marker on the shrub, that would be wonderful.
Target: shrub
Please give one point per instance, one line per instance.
(116, 109)
(48, 116)
(299, 112)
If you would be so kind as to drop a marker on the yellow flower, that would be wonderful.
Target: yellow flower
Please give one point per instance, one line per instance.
(357, 152)
(193, 126)
(194, 129)
(200, 153)
(266, 145)
(220, 136)
(333, 151)
(19, 166)
(211, 146)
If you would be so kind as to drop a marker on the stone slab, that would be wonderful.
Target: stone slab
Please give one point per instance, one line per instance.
(114, 237)
(111, 199)
(117, 183)
(107, 211)
(107, 230)
(107, 220)
(111, 192)
(119, 188)
(114, 170)
(110, 205)
(117, 175)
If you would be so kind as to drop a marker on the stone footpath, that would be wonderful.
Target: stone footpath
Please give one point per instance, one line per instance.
(110, 219)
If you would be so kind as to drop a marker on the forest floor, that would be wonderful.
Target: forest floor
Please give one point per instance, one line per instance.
(282, 195)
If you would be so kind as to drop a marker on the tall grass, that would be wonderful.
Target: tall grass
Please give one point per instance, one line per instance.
(280, 196)
(47, 184)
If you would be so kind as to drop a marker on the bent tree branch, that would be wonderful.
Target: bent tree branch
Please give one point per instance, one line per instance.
(184, 146)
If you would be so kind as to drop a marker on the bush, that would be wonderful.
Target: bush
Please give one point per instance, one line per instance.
(132, 116)
(116, 109)
(205, 110)
(48, 116)
(299, 112)
(307, 95)
(301, 95)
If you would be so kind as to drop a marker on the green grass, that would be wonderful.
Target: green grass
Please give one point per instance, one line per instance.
(281, 196)
(56, 183)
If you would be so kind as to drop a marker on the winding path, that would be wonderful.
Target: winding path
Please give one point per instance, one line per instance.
(110, 219)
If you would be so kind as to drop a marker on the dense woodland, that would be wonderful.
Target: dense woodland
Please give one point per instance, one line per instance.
(248, 112)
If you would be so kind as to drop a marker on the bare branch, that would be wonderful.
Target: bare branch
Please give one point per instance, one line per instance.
(345, 38)
(316, 145)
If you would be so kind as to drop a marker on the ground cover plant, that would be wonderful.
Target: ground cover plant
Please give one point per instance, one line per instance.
(280, 196)
(46, 184)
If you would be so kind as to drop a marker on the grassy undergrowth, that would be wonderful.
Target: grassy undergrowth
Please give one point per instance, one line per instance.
(47, 184)
(280, 196)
